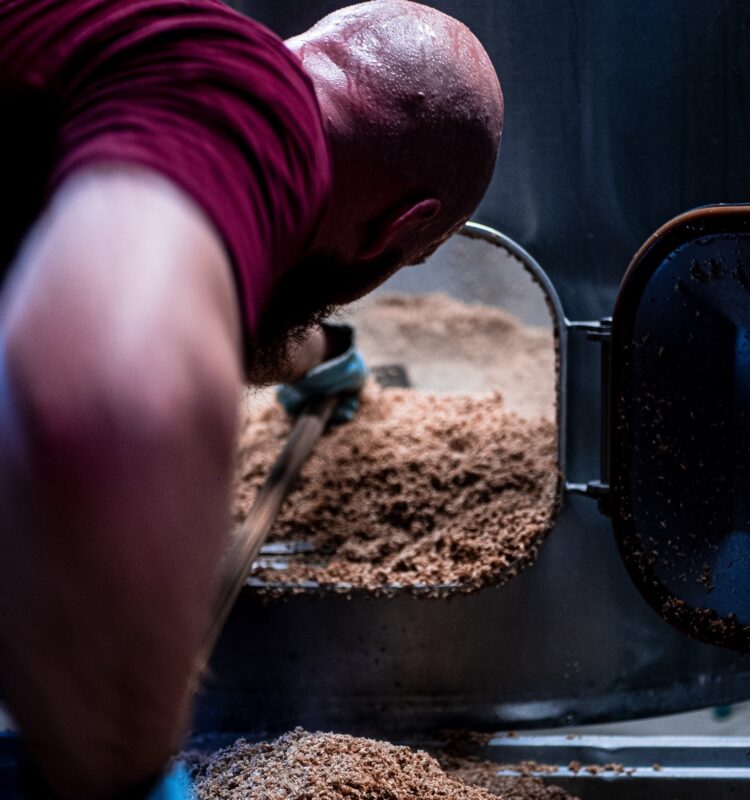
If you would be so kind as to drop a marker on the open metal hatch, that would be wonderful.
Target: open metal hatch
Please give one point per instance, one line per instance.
(676, 455)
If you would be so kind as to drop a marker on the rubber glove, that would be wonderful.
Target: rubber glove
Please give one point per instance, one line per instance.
(345, 375)
(175, 785)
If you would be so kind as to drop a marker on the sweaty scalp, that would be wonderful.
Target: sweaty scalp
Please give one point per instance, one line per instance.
(424, 101)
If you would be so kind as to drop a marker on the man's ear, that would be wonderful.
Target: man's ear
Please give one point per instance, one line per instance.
(397, 227)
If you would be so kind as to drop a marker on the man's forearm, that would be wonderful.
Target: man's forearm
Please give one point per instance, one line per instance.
(121, 382)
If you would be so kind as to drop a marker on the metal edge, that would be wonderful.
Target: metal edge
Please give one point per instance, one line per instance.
(476, 230)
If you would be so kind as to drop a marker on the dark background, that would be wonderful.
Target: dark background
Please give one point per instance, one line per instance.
(619, 115)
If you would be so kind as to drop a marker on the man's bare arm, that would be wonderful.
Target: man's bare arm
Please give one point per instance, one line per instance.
(119, 367)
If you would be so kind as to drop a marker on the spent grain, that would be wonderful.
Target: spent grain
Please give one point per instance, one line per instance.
(449, 492)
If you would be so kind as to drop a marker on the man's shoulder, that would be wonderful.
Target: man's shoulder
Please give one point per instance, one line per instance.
(190, 89)
(67, 40)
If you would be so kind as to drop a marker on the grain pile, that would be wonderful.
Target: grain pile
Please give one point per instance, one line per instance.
(325, 766)
(419, 490)
(452, 347)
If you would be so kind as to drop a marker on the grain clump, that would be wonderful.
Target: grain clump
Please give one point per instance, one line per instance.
(327, 766)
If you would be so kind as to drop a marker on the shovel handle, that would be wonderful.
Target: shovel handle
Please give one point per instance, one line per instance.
(246, 544)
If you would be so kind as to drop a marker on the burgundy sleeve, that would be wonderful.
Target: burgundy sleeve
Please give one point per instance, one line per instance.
(200, 94)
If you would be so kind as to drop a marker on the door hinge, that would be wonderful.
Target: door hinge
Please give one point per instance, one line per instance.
(598, 489)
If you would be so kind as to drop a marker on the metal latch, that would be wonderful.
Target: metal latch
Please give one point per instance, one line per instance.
(598, 331)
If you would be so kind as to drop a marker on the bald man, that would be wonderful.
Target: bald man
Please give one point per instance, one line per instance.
(184, 198)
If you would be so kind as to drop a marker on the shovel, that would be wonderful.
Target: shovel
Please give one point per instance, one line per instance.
(248, 542)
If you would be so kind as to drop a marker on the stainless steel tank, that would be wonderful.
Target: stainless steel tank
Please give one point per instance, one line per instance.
(568, 641)
(618, 117)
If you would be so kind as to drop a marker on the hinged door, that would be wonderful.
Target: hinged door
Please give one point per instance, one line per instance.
(679, 454)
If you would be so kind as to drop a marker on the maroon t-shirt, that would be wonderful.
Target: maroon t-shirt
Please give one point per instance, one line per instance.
(189, 88)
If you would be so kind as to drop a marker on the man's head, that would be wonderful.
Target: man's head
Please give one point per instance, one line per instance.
(413, 113)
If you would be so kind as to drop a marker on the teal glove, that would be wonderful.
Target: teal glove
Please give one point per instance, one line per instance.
(175, 785)
(345, 375)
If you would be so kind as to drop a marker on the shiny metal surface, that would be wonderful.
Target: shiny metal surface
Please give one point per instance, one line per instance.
(567, 641)
(653, 767)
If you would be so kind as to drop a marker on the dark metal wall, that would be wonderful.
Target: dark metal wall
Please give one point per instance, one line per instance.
(619, 115)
